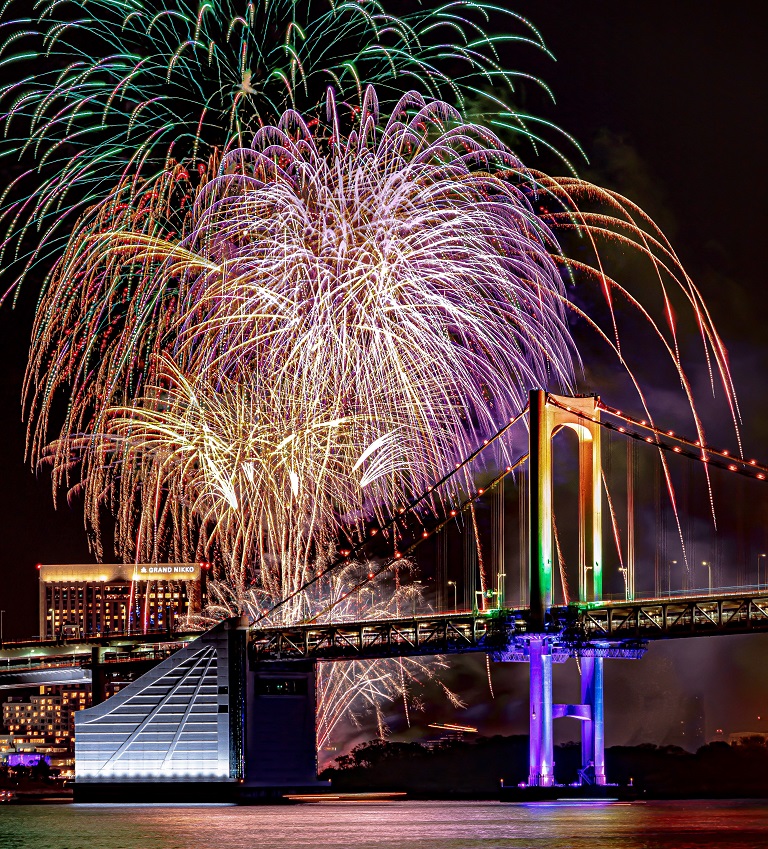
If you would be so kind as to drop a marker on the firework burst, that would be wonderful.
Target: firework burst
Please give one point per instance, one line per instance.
(282, 308)
(121, 87)
(316, 340)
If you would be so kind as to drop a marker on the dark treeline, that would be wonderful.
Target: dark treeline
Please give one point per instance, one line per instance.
(475, 769)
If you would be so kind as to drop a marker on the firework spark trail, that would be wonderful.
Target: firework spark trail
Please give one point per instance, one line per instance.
(364, 255)
(111, 87)
(273, 314)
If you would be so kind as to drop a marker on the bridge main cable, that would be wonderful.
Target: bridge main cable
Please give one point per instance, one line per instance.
(703, 453)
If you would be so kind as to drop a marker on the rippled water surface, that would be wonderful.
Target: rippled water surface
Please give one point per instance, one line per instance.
(388, 825)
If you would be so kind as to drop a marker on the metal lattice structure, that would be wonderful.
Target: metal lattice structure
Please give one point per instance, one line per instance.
(368, 639)
(660, 619)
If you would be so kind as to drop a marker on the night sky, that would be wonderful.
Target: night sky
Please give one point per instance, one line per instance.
(667, 99)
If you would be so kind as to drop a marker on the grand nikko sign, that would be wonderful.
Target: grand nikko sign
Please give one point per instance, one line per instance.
(166, 572)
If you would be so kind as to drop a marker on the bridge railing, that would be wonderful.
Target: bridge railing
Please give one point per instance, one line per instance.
(421, 635)
(735, 613)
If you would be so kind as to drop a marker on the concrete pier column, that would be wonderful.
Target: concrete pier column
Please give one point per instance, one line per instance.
(541, 758)
(280, 734)
(98, 678)
(593, 734)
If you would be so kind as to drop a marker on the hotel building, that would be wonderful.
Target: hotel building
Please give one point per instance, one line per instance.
(87, 599)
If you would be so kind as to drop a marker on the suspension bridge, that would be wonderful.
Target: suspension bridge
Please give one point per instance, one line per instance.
(532, 550)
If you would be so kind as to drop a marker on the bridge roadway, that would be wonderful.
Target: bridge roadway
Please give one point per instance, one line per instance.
(600, 629)
(70, 660)
(664, 618)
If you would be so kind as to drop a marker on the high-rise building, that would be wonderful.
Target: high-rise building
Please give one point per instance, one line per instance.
(49, 714)
(87, 599)
(44, 724)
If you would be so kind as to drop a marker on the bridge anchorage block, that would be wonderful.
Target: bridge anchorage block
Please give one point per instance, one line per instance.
(259, 743)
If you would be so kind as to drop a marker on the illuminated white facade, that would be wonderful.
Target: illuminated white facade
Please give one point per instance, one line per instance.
(172, 723)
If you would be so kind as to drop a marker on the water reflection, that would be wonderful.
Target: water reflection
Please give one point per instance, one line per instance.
(389, 825)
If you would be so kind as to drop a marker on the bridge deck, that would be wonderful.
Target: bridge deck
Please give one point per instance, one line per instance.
(573, 628)
(652, 619)
(451, 633)
(576, 628)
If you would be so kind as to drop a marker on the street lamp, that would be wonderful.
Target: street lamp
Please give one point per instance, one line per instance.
(709, 571)
(415, 596)
(669, 575)
(500, 590)
(758, 570)
(455, 602)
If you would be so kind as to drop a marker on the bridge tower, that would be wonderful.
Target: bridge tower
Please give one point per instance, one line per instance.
(548, 414)
(204, 724)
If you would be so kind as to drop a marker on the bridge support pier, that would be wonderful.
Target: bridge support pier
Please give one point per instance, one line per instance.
(592, 729)
(280, 753)
(541, 758)
(542, 713)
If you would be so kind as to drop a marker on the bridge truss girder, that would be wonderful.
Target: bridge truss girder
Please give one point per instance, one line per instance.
(663, 619)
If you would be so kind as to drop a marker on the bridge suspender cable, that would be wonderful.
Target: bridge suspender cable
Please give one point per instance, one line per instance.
(466, 505)
(403, 513)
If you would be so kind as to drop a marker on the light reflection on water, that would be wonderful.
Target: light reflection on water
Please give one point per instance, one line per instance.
(390, 825)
